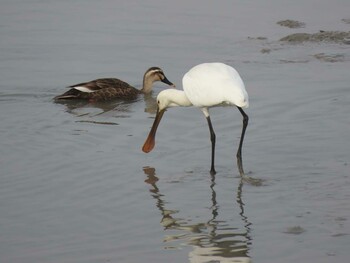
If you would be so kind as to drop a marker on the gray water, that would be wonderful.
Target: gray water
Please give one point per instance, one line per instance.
(74, 183)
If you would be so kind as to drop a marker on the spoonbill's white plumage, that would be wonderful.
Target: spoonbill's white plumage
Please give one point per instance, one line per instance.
(205, 85)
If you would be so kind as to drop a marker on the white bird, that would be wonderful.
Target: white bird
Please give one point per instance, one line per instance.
(206, 85)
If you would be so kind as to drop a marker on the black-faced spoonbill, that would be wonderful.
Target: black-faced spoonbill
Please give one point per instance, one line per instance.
(206, 85)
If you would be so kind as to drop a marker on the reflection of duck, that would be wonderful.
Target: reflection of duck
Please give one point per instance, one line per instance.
(81, 108)
(111, 88)
(118, 107)
(212, 241)
(151, 104)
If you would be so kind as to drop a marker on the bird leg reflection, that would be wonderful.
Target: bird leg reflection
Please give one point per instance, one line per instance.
(213, 239)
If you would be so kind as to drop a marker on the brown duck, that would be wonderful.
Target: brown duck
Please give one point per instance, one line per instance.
(111, 88)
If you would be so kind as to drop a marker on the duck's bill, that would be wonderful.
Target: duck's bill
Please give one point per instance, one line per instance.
(166, 81)
(150, 141)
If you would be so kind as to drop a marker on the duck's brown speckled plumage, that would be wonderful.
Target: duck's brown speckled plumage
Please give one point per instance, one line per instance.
(110, 88)
(104, 89)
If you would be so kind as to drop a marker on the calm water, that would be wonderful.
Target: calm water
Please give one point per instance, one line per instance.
(74, 184)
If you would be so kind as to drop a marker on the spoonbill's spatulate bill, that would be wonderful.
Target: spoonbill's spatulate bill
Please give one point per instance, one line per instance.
(205, 85)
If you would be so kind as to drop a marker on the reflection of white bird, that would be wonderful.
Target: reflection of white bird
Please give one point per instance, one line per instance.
(205, 85)
(215, 254)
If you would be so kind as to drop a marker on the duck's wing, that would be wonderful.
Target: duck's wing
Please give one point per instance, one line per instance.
(99, 84)
(80, 91)
(115, 92)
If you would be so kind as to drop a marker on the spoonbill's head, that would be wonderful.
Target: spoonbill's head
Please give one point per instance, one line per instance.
(165, 99)
(172, 98)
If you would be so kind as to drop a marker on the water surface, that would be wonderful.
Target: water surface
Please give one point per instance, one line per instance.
(74, 183)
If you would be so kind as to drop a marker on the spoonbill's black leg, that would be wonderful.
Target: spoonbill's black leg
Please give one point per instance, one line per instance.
(212, 139)
(239, 152)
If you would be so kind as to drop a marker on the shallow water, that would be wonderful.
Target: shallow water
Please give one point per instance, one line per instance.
(75, 185)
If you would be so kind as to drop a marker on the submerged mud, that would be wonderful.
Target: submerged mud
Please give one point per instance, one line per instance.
(346, 20)
(322, 36)
(291, 23)
(330, 57)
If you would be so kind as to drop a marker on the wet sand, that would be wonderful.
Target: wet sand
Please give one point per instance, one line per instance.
(75, 185)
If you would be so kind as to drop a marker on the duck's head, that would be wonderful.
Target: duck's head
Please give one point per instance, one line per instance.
(154, 74)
